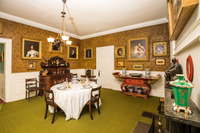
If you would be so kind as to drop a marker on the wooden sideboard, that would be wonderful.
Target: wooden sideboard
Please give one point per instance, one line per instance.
(142, 83)
(56, 69)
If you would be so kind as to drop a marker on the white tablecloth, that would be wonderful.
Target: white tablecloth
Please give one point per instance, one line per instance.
(72, 100)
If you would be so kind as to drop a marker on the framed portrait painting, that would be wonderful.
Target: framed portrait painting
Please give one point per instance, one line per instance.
(88, 53)
(160, 48)
(31, 64)
(31, 49)
(138, 49)
(72, 52)
(55, 47)
(120, 52)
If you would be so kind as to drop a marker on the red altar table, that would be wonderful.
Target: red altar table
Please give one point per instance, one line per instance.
(142, 82)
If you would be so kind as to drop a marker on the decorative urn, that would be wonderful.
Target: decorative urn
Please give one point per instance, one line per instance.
(182, 92)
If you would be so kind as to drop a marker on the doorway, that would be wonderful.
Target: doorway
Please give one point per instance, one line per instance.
(105, 65)
(5, 93)
(2, 77)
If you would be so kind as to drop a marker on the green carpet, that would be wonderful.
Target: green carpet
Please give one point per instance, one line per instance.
(119, 114)
(1, 106)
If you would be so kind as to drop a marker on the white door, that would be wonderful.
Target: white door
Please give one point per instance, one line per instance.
(105, 65)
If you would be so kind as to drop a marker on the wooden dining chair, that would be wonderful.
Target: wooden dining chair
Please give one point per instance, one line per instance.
(95, 80)
(74, 75)
(33, 85)
(49, 99)
(94, 99)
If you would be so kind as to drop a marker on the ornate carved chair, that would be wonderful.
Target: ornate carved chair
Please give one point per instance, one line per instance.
(49, 99)
(32, 85)
(94, 99)
(88, 72)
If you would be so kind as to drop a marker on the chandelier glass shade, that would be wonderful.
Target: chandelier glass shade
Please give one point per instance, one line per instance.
(61, 38)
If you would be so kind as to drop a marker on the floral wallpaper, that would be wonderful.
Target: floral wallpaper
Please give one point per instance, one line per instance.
(154, 33)
(16, 31)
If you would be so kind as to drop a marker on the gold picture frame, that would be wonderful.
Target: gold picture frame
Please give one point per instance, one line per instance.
(137, 67)
(55, 47)
(120, 52)
(31, 49)
(72, 52)
(160, 62)
(1, 57)
(88, 53)
(120, 63)
(179, 12)
(138, 49)
(160, 48)
(31, 65)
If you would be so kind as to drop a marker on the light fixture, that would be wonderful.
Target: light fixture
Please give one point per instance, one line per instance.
(61, 38)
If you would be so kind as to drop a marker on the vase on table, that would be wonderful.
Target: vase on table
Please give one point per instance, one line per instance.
(147, 72)
(124, 71)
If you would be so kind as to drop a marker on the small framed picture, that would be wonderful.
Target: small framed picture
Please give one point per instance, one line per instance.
(138, 67)
(120, 52)
(72, 52)
(88, 53)
(31, 49)
(31, 64)
(56, 46)
(1, 57)
(160, 48)
(120, 63)
(160, 62)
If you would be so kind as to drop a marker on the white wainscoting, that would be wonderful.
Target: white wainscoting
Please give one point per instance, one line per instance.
(2, 86)
(18, 85)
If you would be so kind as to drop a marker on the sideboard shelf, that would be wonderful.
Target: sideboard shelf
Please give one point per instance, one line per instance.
(135, 83)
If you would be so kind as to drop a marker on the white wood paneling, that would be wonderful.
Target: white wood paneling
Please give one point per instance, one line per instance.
(18, 84)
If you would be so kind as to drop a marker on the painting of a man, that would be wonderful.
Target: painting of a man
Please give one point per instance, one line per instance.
(120, 52)
(88, 53)
(73, 52)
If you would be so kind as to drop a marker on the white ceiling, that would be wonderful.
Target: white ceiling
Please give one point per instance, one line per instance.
(88, 15)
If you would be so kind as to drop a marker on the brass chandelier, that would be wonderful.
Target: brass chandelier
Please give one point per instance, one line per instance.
(61, 38)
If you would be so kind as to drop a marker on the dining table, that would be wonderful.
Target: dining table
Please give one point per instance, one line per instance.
(72, 99)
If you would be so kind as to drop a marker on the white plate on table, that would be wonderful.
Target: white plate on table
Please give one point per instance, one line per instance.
(88, 87)
(61, 87)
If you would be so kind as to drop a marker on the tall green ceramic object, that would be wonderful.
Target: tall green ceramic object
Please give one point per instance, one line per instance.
(182, 92)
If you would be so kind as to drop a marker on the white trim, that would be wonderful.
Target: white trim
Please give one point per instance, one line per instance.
(125, 28)
(34, 24)
(8, 66)
(188, 33)
(186, 45)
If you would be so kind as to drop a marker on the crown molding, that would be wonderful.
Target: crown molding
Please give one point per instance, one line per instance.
(38, 25)
(130, 27)
(34, 24)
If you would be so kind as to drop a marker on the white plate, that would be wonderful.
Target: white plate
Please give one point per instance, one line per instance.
(61, 87)
(87, 87)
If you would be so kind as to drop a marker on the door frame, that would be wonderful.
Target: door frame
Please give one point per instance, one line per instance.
(113, 60)
(7, 67)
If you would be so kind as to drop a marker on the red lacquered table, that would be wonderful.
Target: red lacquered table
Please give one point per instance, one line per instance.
(138, 82)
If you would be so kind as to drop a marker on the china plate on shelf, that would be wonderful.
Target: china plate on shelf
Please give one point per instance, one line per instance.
(135, 74)
(61, 88)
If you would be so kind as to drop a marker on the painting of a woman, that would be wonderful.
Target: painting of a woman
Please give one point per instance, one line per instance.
(32, 52)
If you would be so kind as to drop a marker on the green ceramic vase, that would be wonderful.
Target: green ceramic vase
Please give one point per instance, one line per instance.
(182, 91)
